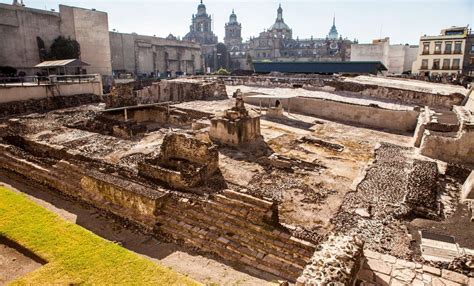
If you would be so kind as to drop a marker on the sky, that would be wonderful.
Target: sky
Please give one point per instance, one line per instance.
(404, 21)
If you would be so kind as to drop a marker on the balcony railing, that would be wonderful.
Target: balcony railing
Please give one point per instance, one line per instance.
(423, 67)
(437, 52)
(457, 52)
(448, 52)
(425, 53)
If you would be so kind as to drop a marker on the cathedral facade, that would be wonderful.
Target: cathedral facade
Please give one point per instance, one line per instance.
(277, 44)
(274, 44)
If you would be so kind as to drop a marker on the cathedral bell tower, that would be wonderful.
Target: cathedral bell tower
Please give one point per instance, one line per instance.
(233, 30)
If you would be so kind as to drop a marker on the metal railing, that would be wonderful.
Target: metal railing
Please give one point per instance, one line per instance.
(47, 80)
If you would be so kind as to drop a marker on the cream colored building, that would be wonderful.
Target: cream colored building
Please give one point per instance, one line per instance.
(452, 52)
(397, 58)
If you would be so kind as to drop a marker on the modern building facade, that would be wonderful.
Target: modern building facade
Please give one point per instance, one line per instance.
(451, 52)
(25, 31)
(153, 56)
(397, 58)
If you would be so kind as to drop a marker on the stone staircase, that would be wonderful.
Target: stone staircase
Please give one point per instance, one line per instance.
(238, 228)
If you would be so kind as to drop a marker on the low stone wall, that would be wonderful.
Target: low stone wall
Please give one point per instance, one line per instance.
(181, 90)
(452, 147)
(46, 104)
(396, 90)
(373, 117)
(404, 96)
(28, 92)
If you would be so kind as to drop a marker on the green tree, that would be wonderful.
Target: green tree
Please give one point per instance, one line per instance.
(64, 48)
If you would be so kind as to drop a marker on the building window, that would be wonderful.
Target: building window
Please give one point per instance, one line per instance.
(424, 64)
(456, 64)
(436, 64)
(457, 47)
(472, 48)
(437, 49)
(426, 48)
(448, 47)
(446, 63)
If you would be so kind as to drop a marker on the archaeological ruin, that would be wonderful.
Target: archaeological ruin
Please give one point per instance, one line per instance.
(308, 180)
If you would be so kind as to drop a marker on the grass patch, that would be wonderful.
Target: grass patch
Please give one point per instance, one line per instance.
(74, 254)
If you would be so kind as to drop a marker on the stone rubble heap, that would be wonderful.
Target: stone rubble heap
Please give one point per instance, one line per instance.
(396, 186)
(335, 262)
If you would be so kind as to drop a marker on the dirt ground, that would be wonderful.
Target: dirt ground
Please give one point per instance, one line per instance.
(307, 199)
(205, 269)
(14, 264)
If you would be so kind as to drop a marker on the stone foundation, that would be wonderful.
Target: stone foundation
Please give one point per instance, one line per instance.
(184, 162)
(335, 262)
(237, 126)
(46, 104)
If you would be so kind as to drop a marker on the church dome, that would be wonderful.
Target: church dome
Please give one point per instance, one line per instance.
(233, 17)
(279, 23)
(280, 26)
(201, 9)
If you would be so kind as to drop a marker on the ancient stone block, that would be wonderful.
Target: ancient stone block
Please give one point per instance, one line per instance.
(237, 126)
(184, 161)
(336, 262)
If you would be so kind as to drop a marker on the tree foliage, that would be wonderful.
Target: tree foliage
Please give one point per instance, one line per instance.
(64, 48)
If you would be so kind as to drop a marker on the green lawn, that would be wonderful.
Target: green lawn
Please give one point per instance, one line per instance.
(74, 254)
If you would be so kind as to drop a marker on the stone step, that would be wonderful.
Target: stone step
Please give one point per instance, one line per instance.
(268, 234)
(287, 253)
(264, 237)
(195, 236)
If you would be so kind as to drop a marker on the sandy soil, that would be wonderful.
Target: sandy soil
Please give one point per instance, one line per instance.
(208, 270)
(14, 264)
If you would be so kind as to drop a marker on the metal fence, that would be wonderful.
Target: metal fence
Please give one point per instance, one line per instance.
(47, 80)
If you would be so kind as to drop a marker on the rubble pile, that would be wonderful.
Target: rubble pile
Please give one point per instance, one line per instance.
(335, 262)
(395, 187)
(422, 189)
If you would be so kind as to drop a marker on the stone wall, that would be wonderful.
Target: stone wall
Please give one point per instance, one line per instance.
(46, 104)
(401, 91)
(336, 262)
(140, 55)
(91, 29)
(20, 27)
(239, 228)
(32, 92)
(362, 115)
(452, 147)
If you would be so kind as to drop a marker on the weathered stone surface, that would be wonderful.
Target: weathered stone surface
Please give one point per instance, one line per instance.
(336, 262)
(453, 276)
(237, 126)
(183, 162)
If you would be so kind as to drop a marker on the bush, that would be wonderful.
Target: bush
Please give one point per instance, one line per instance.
(222, 71)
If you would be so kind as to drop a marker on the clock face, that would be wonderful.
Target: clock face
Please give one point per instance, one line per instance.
(333, 46)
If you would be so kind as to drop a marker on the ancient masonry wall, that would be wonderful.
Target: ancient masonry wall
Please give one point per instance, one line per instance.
(369, 116)
(404, 96)
(400, 95)
(46, 104)
(237, 227)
